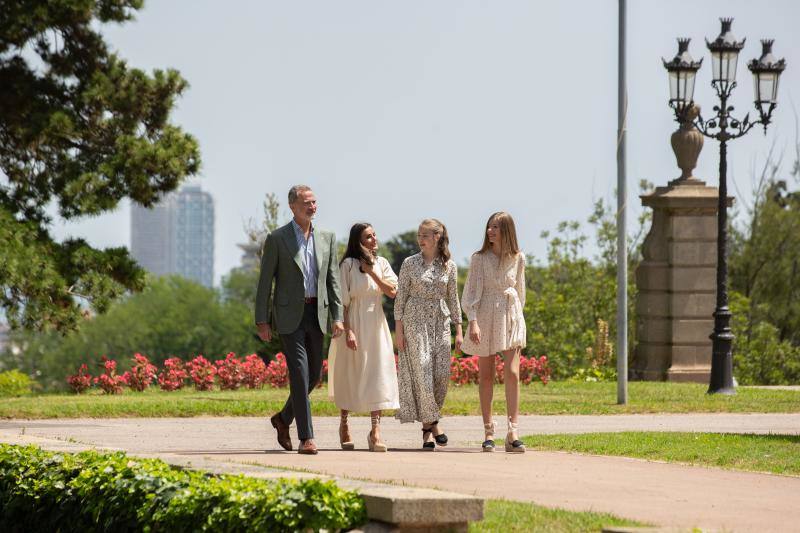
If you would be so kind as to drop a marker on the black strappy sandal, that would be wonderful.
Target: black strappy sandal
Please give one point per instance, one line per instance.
(441, 440)
(427, 445)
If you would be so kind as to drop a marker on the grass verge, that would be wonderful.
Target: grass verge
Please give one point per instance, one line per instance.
(503, 516)
(776, 454)
(555, 398)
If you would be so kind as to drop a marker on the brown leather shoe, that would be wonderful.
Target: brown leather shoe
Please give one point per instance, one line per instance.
(307, 447)
(283, 431)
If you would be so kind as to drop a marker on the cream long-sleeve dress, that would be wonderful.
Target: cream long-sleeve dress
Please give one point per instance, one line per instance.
(364, 379)
(494, 295)
(427, 303)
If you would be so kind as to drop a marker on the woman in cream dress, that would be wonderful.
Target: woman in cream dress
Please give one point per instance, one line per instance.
(361, 367)
(493, 299)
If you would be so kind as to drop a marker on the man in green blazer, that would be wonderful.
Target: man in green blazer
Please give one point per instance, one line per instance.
(302, 262)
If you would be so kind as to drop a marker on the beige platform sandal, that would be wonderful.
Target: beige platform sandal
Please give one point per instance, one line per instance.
(375, 445)
(513, 444)
(345, 439)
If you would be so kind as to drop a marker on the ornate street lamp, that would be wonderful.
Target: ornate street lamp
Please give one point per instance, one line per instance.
(682, 71)
(722, 127)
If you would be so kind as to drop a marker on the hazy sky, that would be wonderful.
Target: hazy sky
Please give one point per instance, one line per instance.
(397, 111)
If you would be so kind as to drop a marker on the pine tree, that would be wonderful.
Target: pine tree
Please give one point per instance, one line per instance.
(79, 130)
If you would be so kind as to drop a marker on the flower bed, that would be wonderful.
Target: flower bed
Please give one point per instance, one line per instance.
(232, 372)
(91, 491)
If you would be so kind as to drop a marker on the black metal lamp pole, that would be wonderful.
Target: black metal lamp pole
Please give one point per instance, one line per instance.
(723, 127)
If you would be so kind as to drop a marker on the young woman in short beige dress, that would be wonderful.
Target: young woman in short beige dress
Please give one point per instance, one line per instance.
(493, 300)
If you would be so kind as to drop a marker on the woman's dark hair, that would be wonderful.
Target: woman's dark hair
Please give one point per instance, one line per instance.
(355, 249)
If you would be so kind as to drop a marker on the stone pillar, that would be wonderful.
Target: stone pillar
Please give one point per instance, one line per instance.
(676, 285)
(676, 280)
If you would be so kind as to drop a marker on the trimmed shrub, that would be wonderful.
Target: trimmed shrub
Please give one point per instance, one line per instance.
(15, 383)
(91, 491)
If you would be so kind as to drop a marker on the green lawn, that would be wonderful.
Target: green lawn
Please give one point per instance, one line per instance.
(503, 515)
(554, 398)
(777, 454)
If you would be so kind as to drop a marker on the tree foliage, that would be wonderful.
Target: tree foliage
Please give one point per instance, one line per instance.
(79, 131)
(173, 316)
(765, 279)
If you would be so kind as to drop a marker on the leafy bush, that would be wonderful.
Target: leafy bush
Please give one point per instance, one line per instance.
(90, 491)
(15, 383)
(760, 357)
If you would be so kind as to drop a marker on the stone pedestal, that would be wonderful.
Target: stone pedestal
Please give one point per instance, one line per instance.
(676, 284)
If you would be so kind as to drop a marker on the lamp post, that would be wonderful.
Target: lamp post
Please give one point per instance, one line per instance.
(723, 127)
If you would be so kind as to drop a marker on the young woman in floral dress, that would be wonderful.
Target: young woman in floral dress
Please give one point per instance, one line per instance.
(425, 307)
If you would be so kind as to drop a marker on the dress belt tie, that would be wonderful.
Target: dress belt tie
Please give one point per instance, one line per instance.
(517, 320)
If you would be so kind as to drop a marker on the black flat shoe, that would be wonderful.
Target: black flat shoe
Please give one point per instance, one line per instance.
(488, 446)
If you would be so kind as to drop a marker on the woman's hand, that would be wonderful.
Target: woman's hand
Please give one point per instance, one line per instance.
(459, 341)
(474, 332)
(350, 339)
(399, 337)
(366, 268)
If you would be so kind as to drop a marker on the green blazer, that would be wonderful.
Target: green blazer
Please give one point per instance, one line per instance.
(281, 263)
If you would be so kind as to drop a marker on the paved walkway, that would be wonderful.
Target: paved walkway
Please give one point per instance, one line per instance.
(661, 493)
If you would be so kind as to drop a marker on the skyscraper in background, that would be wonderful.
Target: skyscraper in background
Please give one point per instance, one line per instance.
(177, 235)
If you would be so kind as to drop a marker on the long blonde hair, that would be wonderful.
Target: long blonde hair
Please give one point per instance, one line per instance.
(509, 246)
(436, 226)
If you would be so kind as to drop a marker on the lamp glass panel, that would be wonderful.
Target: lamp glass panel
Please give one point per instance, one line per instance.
(767, 87)
(730, 59)
(716, 69)
(673, 85)
(689, 94)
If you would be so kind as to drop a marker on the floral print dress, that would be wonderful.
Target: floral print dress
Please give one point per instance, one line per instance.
(427, 303)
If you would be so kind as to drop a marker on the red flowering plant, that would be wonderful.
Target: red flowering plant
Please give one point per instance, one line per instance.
(464, 370)
(229, 372)
(81, 381)
(109, 381)
(531, 367)
(141, 374)
(173, 376)
(202, 373)
(277, 373)
(254, 372)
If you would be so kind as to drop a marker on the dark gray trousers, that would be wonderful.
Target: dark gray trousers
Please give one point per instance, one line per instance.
(303, 351)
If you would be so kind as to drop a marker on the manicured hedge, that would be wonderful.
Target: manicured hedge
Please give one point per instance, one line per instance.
(91, 491)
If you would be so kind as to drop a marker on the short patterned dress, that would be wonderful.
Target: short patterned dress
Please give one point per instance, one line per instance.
(494, 295)
(427, 303)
